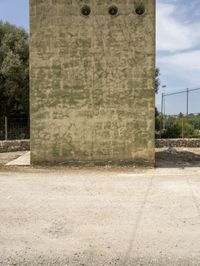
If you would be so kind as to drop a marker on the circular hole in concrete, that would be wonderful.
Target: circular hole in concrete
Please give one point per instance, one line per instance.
(140, 10)
(113, 10)
(85, 11)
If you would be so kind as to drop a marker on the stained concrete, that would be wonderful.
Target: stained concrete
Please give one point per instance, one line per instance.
(99, 218)
(92, 82)
(23, 160)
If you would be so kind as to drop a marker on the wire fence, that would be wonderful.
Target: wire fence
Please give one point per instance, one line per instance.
(14, 128)
(179, 116)
(185, 101)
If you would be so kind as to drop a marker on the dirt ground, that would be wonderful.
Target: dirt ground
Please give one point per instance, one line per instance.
(101, 216)
(9, 156)
(183, 157)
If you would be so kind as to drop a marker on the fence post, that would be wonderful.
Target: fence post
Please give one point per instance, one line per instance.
(187, 104)
(161, 118)
(164, 116)
(6, 127)
(182, 129)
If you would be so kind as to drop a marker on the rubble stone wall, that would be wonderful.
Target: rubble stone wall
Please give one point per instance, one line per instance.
(190, 143)
(23, 145)
(14, 145)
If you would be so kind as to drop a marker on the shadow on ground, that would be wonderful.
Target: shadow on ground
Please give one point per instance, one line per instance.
(165, 158)
(179, 159)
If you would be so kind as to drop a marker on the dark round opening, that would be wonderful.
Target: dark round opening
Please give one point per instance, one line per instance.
(140, 10)
(113, 10)
(85, 10)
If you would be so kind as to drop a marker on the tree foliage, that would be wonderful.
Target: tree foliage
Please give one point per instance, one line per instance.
(14, 70)
(157, 84)
(157, 79)
(179, 126)
(173, 130)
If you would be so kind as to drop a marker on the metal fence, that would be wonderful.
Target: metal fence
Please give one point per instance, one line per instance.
(184, 101)
(14, 128)
(180, 114)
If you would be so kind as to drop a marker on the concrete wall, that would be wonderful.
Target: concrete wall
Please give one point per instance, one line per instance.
(92, 91)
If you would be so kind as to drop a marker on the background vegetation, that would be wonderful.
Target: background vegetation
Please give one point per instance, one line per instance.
(178, 126)
(14, 71)
(175, 126)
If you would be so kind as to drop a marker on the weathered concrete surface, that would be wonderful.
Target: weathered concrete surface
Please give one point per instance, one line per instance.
(93, 218)
(92, 82)
(23, 160)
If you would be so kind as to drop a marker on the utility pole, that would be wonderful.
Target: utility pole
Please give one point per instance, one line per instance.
(164, 112)
(161, 119)
(187, 102)
(6, 128)
(163, 100)
(182, 127)
(162, 104)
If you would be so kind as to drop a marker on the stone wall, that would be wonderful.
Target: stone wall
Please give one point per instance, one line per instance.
(92, 81)
(190, 143)
(14, 145)
(24, 145)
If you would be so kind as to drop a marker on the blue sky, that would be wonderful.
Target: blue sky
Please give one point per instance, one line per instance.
(178, 51)
(178, 46)
(15, 12)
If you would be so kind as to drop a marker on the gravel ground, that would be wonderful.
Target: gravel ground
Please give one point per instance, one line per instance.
(94, 217)
(182, 157)
(9, 156)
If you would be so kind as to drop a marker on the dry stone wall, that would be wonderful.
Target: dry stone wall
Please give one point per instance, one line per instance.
(14, 145)
(190, 143)
(23, 145)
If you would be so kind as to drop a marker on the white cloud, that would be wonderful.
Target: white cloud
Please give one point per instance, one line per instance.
(173, 35)
(186, 61)
(183, 67)
(180, 41)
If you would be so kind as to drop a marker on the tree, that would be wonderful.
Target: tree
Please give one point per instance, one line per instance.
(181, 115)
(157, 80)
(157, 120)
(157, 84)
(188, 130)
(14, 70)
(173, 130)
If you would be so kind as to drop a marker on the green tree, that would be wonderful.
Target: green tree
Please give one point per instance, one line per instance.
(188, 130)
(157, 79)
(14, 70)
(157, 120)
(157, 84)
(173, 130)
